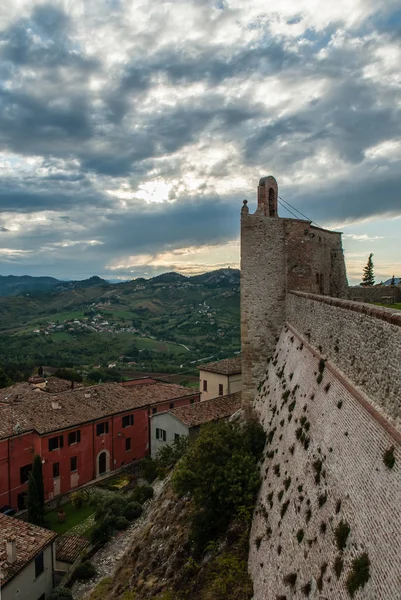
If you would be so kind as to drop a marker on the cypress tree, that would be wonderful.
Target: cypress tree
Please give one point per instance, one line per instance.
(368, 274)
(36, 493)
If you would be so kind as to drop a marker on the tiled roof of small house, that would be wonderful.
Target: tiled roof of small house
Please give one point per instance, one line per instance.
(227, 366)
(69, 547)
(29, 540)
(45, 413)
(197, 414)
(153, 393)
(55, 385)
(18, 392)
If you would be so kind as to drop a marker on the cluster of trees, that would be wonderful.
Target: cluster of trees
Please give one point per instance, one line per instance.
(220, 472)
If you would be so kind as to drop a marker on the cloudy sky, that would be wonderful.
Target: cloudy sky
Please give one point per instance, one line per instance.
(131, 131)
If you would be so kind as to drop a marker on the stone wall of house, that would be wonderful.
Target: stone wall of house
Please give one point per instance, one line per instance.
(385, 294)
(324, 463)
(363, 340)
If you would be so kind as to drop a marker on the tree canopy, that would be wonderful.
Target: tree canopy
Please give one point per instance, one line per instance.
(368, 272)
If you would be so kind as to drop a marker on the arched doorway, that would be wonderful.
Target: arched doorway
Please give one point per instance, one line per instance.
(103, 462)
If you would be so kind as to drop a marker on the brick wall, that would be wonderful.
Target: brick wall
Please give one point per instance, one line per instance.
(345, 439)
(364, 341)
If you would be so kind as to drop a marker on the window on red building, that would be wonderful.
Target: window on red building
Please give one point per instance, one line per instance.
(154, 411)
(74, 437)
(192, 401)
(205, 385)
(127, 444)
(102, 428)
(56, 442)
(24, 473)
(128, 420)
(56, 470)
(221, 391)
(172, 405)
(73, 463)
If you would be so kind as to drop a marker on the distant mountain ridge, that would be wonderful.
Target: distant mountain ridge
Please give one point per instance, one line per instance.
(14, 285)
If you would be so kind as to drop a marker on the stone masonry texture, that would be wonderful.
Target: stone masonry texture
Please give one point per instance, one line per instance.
(278, 255)
(364, 341)
(323, 461)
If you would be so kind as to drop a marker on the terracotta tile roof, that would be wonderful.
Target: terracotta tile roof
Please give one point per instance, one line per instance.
(29, 539)
(208, 410)
(154, 393)
(69, 547)
(227, 366)
(81, 405)
(55, 385)
(18, 392)
(139, 381)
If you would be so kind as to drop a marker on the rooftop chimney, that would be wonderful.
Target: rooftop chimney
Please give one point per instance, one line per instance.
(11, 550)
(56, 405)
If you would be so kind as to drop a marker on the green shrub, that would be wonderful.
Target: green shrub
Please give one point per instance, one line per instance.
(101, 533)
(121, 523)
(141, 493)
(338, 565)
(220, 471)
(78, 499)
(341, 534)
(132, 511)
(319, 378)
(284, 507)
(300, 535)
(290, 579)
(61, 593)
(287, 482)
(149, 469)
(85, 570)
(359, 574)
(306, 589)
(389, 458)
(170, 454)
(319, 582)
(110, 505)
(322, 499)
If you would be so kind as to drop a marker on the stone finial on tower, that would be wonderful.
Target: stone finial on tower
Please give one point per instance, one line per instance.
(268, 196)
(245, 209)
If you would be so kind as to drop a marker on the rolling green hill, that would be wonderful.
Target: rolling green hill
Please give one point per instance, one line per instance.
(162, 324)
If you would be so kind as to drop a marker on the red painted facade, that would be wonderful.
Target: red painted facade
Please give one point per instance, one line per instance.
(79, 458)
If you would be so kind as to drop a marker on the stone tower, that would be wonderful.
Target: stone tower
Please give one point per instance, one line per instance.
(278, 255)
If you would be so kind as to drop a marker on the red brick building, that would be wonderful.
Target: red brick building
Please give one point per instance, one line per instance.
(80, 434)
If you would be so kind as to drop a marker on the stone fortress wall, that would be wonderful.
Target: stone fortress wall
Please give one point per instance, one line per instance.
(362, 340)
(278, 255)
(323, 465)
(323, 373)
(378, 293)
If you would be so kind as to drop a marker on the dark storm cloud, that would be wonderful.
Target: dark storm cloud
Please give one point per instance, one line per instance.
(184, 223)
(42, 41)
(122, 131)
(350, 199)
(53, 192)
